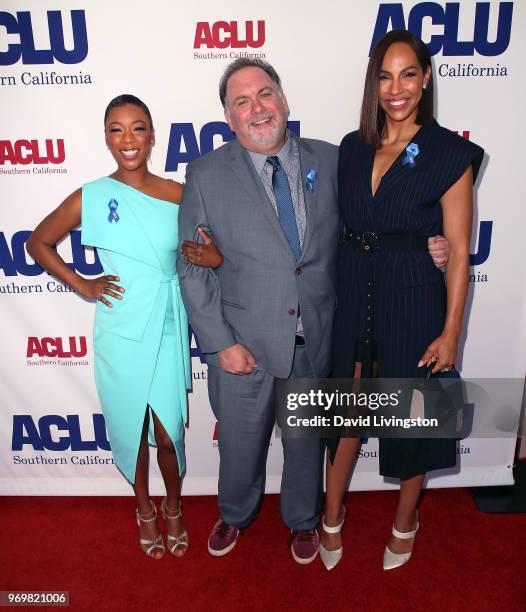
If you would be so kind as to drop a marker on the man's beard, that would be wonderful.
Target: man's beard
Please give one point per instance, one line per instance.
(269, 137)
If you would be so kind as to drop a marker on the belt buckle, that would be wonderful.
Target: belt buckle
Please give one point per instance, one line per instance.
(368, 240)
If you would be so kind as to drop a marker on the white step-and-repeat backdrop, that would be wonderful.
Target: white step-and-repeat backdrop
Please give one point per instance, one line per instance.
(61, 63)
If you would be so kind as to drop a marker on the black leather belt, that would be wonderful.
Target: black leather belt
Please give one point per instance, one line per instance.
(371, 241)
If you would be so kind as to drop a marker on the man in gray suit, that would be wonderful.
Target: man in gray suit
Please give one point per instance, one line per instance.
(270, 201)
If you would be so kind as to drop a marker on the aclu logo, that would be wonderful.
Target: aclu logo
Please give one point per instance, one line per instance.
(184, 146)
(56, 351)
(447, 20)
(234, 34)
(20, 24)
(26, 152)
(54, 432)
(74, 346)
(42, 154)
(14, 259)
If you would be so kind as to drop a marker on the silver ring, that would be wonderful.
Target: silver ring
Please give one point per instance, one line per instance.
(446, 370)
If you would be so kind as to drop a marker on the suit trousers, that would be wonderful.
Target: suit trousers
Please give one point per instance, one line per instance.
(244, 408)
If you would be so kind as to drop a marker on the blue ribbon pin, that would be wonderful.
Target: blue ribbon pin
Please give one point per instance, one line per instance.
(113, 205)
(312, 175)
(412, 151)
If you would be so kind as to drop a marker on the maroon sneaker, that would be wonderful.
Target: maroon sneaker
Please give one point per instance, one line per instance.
(222, 538)
(304, 545)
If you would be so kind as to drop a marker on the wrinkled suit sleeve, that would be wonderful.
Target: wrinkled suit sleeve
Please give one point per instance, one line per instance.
(200, 286)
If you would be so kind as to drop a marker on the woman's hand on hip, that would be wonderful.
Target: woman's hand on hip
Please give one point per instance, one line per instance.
(97, 288)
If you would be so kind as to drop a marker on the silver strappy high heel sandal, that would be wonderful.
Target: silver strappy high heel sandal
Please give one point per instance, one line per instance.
(175, 542)
(149, 546)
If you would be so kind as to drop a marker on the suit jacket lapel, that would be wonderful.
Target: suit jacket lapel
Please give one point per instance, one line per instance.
(247, 175)
(308, 161)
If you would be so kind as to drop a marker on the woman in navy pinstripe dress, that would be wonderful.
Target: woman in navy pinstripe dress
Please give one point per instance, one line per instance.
(402, 178)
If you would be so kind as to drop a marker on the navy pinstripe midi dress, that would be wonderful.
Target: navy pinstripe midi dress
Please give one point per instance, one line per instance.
(408, 291)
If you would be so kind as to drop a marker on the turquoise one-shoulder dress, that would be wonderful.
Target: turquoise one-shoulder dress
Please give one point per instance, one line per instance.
(141, 345)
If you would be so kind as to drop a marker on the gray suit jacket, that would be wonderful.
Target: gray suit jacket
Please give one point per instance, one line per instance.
(253, 297)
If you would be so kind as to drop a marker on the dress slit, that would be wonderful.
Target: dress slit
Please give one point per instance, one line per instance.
(164, 370)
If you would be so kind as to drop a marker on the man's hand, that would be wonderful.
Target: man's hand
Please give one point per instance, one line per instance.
(438, 247)
(236, 359)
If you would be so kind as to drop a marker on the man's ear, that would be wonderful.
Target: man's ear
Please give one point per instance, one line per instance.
(228, 118)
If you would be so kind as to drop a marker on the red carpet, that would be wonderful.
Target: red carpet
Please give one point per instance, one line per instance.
(463, 560)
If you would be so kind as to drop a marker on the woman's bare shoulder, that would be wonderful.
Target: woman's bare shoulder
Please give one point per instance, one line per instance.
(169, 190)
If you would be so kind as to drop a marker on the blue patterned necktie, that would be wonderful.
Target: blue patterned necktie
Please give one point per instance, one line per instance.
(287, 219)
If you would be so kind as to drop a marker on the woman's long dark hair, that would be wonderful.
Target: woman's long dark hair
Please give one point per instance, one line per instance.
(372, 117)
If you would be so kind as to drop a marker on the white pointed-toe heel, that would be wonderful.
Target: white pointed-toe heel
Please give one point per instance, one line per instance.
(331, 558)
(393, 560)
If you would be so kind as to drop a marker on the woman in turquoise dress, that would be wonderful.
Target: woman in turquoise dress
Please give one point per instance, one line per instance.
(140, 336)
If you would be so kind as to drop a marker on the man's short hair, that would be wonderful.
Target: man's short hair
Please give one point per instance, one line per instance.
(245, 62)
